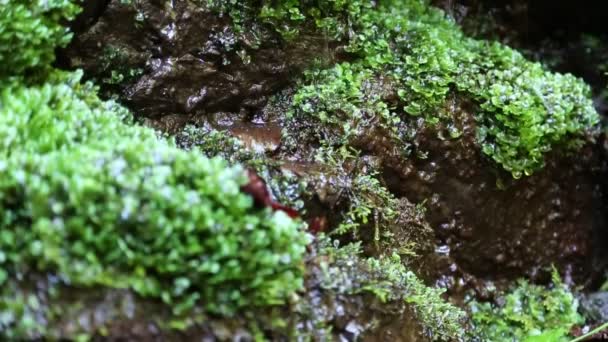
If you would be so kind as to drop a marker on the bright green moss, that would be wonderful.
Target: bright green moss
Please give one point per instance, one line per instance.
(345, 272)
(91, 200)
(345, 103)
(527, 313)
(524, 110)
(29, 32)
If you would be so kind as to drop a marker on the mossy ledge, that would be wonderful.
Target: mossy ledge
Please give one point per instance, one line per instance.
(524, 110)
(88, 199)
(74, 215)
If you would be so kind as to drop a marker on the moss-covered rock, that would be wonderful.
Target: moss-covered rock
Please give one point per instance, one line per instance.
(30, 31)
(90, 200)
(524, 110)
(398, 107)
(184, 59)
(349, 296)
(527, 313)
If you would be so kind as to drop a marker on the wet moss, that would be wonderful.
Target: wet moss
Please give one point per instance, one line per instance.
(383, 94)
(91, 200)
(340, 277)
(29, 33)
(527, 313)
(116, 210)
(524, 110)
(115, 70)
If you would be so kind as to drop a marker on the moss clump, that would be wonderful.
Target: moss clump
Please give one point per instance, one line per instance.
(104, 203)
(115, 70)
(524, 110)
(342, 271)
(345, 102)
(212, 142)
(29, 32)
(527, 313)
(91, 200)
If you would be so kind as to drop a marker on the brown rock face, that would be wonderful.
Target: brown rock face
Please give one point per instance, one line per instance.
(495, 227)
(189, 60)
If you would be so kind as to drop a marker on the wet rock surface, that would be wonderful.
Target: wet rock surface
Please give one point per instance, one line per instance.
(329, 312)
(180, 59)
(191, 67)
(489, 226)
(495, 227)
(331, 307)
(570, 40)
(595, 306)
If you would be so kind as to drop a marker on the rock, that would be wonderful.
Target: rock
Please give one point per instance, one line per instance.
(180, 58)
(594, 306)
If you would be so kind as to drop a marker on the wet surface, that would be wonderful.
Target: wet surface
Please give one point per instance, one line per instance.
(193, 62)
(494, 227)
(257, 136)
(484, 228)
(566, 36)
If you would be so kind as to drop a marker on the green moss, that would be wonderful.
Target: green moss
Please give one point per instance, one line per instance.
(114, 69)
(527, 313)
(345, 272)
(91, 200)
(212, 142)
(102, 203)
(287, 188)
(524, 110)
(29, 32)
(346, 101)
(369, 203)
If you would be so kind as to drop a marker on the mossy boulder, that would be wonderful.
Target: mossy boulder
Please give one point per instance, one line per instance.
(184, 60)
(397, 112)
(91, 201)
(442, 115)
